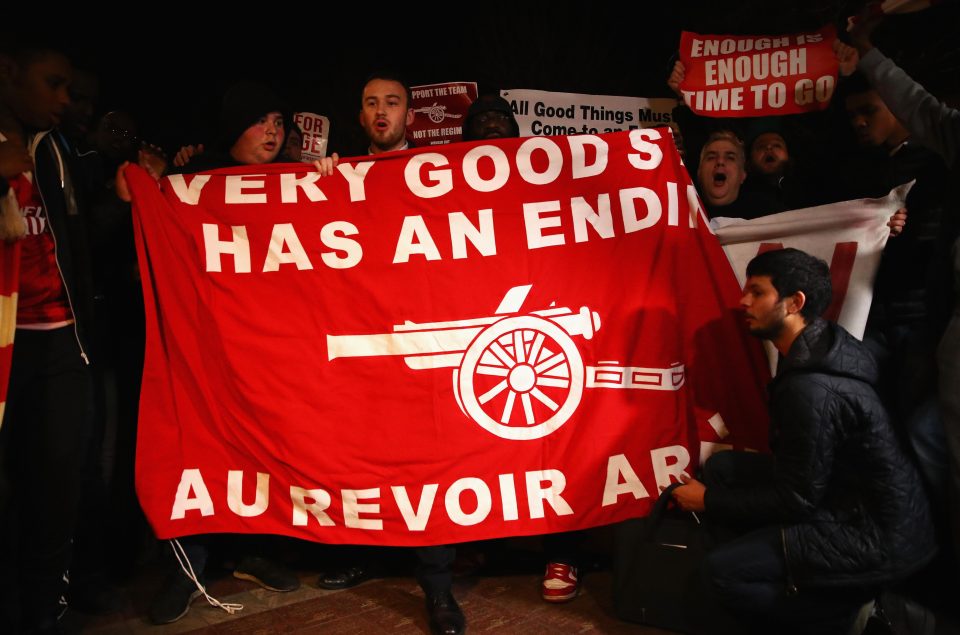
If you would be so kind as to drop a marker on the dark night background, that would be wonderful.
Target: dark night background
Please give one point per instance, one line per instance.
(169, 65)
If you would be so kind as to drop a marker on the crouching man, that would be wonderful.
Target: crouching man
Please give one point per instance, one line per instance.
(837, 508)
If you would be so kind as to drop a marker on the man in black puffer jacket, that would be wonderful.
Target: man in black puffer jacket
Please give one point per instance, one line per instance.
(837, 509)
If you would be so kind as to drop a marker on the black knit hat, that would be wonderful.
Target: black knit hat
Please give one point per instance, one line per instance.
(489, 103)
(243, 105)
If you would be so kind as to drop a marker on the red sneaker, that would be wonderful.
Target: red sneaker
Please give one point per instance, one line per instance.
(559, 583)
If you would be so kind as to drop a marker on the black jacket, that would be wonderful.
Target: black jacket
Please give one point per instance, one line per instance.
(913, 281)
(68, 226)
(851, 504)
(748, 205)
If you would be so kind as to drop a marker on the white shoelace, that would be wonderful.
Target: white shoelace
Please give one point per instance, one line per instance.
(181, 555)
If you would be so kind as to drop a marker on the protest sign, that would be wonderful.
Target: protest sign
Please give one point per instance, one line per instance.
(544, 113)
(440, 110)
(754, 76)
(316, 134)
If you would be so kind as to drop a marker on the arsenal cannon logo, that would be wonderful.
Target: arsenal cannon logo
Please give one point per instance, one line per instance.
(518, 375)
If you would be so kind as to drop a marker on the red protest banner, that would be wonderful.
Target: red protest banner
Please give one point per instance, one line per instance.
(439, 345)
(752, 76)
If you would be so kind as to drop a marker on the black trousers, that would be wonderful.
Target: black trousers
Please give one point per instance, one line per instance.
(749, 577)
(434, 573)
(563, 548)
(748, 573)
(43, 441)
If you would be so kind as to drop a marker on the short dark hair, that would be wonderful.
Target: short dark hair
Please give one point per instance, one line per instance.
(855, 84)
(791, 270)
(753, 141)
(22, 57)
(25, 51)
(389, 76)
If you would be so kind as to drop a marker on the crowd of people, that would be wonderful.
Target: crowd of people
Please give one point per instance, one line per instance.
(862, 435)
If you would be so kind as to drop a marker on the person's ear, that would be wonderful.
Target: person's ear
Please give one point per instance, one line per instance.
(795, 302)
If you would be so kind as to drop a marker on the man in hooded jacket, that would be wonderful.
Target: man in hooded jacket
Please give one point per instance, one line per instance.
(251, 132)
(836, 509)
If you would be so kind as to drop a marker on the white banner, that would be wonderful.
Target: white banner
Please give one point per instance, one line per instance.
(849, 236)
(544, 113)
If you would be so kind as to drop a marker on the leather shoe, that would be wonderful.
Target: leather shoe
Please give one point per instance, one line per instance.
(343, 578)
(269, 574)
(445, 615)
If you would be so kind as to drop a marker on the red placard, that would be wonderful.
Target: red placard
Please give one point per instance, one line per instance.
(436, 345)
(440, 110)
(752, 76)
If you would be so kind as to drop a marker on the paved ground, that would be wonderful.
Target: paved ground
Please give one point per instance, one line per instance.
(507, 604)
(496, 584)
(500, 597)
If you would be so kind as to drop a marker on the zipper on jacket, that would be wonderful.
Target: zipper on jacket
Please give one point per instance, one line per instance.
(56, 257)
(791, 587)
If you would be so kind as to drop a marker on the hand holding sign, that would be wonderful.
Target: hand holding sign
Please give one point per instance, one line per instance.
(676, 78)
(847, 58)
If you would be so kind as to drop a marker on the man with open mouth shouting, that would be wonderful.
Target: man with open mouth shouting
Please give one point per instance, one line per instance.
(721, 172)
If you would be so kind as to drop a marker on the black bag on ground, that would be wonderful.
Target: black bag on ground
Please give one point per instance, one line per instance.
(656, 572)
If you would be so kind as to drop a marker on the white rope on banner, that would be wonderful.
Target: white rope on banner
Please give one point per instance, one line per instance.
(184, 561)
